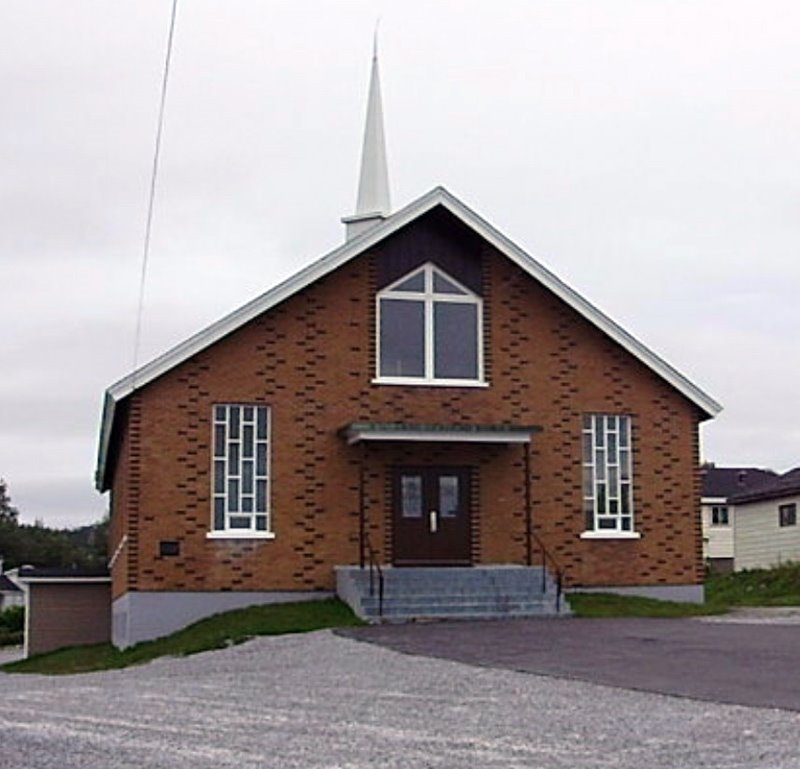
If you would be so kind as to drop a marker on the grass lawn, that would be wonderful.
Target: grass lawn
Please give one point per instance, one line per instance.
(612, 605)
(215, 632)
(779, 586)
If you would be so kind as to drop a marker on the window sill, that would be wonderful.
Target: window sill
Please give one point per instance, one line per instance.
(417, 382)
(240, 535)
(611, 535)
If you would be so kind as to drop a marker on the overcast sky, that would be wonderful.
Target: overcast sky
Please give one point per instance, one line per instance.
(646, 151)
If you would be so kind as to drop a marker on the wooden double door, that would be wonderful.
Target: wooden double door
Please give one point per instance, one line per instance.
(431, 516)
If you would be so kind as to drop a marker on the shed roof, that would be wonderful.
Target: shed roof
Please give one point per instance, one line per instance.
(61, 574)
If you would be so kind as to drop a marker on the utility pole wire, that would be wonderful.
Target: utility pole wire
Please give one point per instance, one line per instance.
(149, 225)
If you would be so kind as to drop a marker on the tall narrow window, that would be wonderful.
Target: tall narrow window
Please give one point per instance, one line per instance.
(429, 330)
(241, 471)
(607, 478)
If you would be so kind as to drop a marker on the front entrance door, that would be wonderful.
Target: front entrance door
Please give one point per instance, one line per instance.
(431, 516)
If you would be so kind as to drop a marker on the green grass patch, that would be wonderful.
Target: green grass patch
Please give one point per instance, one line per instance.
(612, 605)
(779, 586)
(217, 632)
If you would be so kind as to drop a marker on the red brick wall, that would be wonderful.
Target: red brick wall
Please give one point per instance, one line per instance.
(312, 360)
(124, 500)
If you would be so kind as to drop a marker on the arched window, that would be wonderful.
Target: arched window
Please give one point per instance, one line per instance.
(429, 330)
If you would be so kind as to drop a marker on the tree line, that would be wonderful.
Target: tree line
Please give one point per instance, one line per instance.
(38, 545)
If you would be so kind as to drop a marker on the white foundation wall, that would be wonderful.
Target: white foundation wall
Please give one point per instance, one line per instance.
(143, 616)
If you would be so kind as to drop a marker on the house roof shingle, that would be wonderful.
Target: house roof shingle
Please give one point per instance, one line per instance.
(7, 586)
(786, 485)
(724, 482)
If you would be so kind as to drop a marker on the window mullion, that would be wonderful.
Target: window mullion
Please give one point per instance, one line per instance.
(227, 449)
(596, 500)
(429, 338)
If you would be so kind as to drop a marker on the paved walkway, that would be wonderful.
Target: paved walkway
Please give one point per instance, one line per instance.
(319, 701)
(10, 654)
(748, 658)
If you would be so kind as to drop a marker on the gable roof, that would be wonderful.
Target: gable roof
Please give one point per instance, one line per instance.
(786, 485)
(352, 248)
(724, 482)
(7, 586)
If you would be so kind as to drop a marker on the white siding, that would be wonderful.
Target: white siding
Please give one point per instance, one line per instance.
(9, 599)
(759, 540)
(717, 540)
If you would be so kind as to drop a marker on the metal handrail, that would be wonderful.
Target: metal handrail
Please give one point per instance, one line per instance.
(374, 568)
(547, 555)
(366, 553)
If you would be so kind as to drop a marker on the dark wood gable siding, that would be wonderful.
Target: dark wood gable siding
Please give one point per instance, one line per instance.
(436, 237)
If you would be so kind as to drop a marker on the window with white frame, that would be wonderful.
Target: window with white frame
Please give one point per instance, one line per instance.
(607, 478)
(787, 515)
(241, 471)
(720, 515)
(429, 330)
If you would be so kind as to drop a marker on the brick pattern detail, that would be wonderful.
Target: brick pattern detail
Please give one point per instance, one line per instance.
(125, 501)
(312, 360)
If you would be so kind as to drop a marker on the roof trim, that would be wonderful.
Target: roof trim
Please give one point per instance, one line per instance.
(352, 248)
(357, 432)
(60, 580)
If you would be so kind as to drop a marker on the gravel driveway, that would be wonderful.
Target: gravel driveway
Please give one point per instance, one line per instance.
(320, 700)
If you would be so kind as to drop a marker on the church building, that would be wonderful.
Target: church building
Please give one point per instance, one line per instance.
(425, 404)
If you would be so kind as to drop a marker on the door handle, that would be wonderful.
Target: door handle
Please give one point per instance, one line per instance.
(434, 521)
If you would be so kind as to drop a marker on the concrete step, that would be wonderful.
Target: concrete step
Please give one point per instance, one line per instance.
(442, 614)
(420, 599)
(404, 579)
(485, 592)
(471, 608)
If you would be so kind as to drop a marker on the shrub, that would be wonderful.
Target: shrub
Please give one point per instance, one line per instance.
(12, 620)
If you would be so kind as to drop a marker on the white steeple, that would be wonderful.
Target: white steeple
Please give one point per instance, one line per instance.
(372, 205)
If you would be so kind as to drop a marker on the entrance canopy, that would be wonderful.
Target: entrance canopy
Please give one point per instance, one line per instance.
(357, 432)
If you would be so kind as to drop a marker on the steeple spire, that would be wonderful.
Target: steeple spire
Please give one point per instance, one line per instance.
(372, 205)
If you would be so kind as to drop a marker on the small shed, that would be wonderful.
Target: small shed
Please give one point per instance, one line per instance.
(65, 607)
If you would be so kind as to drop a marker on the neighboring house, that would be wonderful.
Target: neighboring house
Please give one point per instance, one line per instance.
(10, 593)
(767, 532)
(428, 394)
(719, 484)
